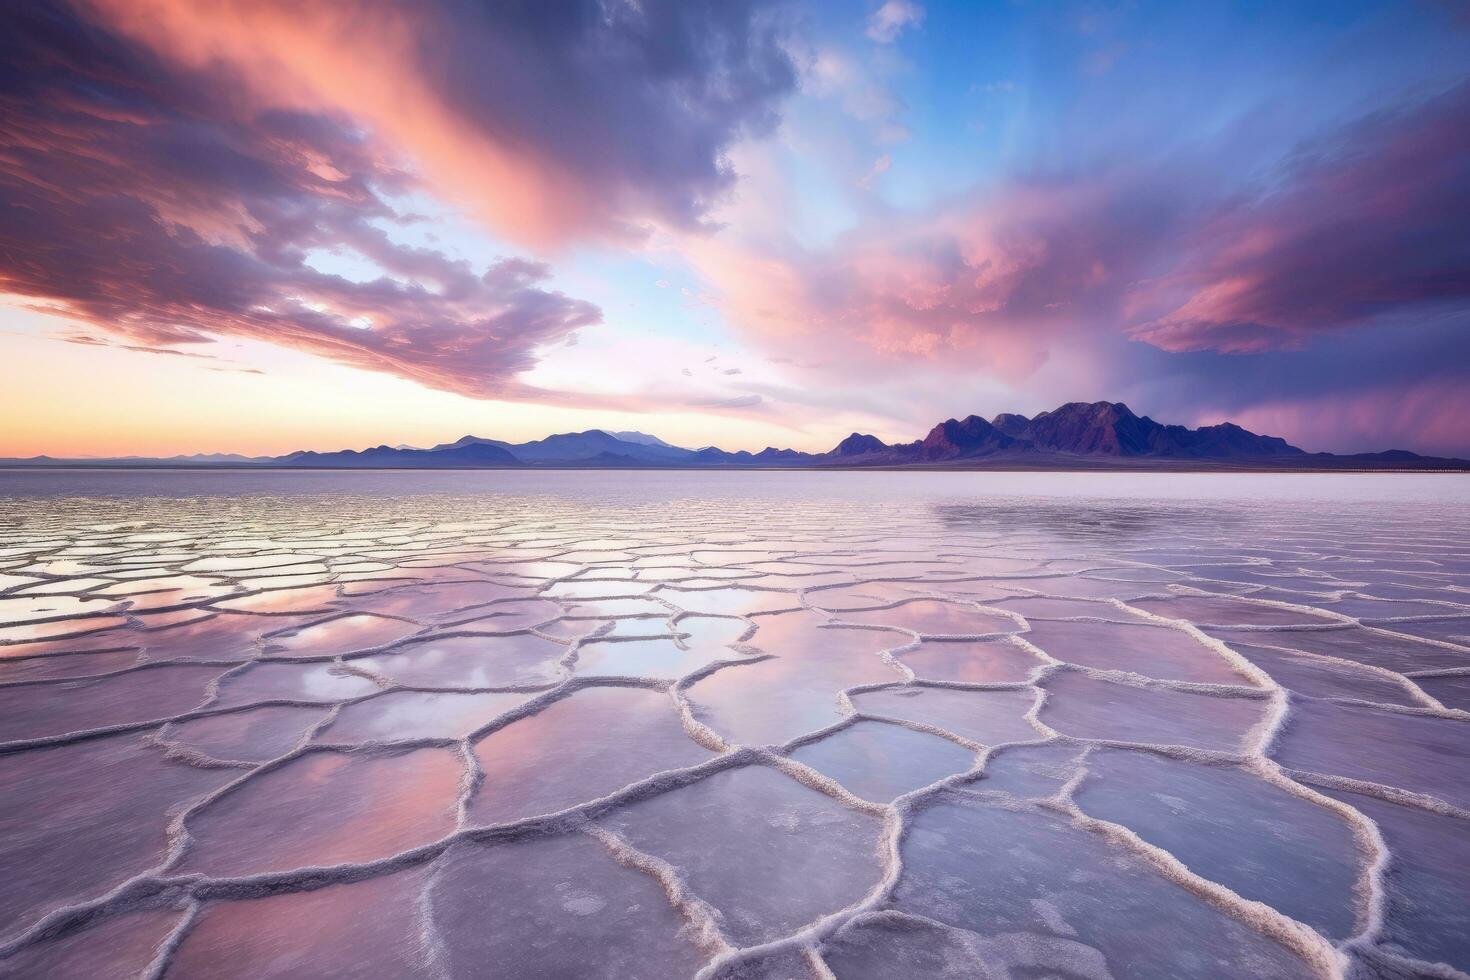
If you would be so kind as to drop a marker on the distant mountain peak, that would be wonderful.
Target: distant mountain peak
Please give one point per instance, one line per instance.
(642, 439)
(1010, 423)
(579, 447)
(1076, 434)
(463, 441)
(960, 438)
(1113, 429)
(859, 444)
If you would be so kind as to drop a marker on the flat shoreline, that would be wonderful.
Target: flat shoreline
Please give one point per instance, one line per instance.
(1101, 466)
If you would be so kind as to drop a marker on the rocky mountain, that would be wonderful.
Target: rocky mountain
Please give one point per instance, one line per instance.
(1112, 429)
(963, 439)
(858, 444)
(1075, 435)
(1011, 424)
(953, 439)
(1093, 434)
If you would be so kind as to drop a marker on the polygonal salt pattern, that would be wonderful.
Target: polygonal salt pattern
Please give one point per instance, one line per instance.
(389, 734)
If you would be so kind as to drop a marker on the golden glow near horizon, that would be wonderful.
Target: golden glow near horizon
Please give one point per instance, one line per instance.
(76, 400)
(260, 226)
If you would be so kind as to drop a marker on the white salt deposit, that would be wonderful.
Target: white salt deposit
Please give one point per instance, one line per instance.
(733, 725)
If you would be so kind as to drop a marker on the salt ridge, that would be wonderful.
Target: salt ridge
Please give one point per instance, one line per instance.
(190, 892)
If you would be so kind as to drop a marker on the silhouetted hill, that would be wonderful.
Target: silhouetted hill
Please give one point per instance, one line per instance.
(1112, 429)
(1077, 435)
(963, 439)
(857, 444)
(472, 455)
(571, 447)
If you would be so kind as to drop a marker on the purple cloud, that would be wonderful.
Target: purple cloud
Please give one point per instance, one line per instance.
(549, 120)
(1366, 221)
(147, 202)
(1166, 282)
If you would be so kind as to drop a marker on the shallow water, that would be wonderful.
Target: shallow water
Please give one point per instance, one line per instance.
(615, 724)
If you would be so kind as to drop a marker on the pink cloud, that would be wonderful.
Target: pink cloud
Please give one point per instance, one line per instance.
(158, 209)
(1116, 272)
(1428, 416)
(588, 120)
(983, 284)
(889, 21)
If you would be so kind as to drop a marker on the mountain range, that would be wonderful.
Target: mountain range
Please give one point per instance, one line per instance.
(1093, 435)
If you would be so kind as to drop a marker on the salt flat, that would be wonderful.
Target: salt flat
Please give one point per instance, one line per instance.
(624, 724)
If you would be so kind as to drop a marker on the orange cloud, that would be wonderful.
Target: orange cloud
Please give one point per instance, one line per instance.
(592, 121)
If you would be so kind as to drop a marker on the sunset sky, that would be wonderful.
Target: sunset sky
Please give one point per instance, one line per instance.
(259, 226)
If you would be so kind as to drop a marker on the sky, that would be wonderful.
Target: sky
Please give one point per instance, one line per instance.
(259, 226)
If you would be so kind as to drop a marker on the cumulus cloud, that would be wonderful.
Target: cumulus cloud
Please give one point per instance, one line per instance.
(1126, 273)
(978, 284)
(150, 203)
(549, 120)
(862, 86)
(890, 20)
(174, 172)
